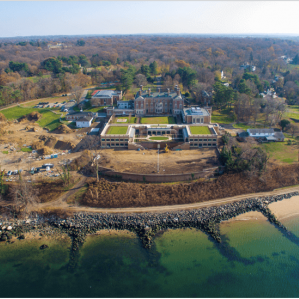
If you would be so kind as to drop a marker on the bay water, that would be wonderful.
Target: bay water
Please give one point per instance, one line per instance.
(254, 260)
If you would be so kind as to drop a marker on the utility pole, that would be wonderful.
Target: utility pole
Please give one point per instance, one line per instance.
(158, 158)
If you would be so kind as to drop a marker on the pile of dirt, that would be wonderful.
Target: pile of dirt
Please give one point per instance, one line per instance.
(45, 151)
(36, 145)
(107, 194)
(33, 116)
(53, 143)
(2, 117)
(63, 129)
(64, 145)
(81, 161)
(49, 141)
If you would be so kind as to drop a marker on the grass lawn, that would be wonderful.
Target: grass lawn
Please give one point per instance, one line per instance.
(50, 120)
(132, 120)
(159, 138)
(195, 130)
(5, 152)
(281, 151)
(222, 117)
(158, 120)
(117, 130)
(26, 149)
(18, 111)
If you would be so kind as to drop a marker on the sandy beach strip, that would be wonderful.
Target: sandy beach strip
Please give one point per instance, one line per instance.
(287, 208)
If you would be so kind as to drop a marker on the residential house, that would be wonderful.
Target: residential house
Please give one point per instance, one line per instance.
(84, 122)
(78, 115)
(266, 134)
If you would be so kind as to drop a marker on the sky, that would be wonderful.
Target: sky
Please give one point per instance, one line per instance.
(30, 18)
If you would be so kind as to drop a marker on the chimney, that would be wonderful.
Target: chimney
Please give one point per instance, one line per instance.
(158, 90)
(141, 87)
(149, 91)
(178, 91)
(168, 91)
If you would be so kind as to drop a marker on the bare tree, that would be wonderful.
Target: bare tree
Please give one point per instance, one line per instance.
(23, 195)
(76, 93)
(293, 128)
(140, 80)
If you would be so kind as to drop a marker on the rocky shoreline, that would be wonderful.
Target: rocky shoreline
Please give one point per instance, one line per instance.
(145, 225)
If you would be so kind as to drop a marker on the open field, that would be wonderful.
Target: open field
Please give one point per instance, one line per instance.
(280, 152)
(117, 130)
(158, 120)
(195, 130)
(146, 161)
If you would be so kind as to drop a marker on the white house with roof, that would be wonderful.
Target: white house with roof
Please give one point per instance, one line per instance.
(268, 134)
(84, 122)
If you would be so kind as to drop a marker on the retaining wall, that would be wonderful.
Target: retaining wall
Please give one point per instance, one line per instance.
(156, 178)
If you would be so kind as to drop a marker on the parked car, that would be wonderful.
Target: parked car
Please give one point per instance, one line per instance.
(9, 173)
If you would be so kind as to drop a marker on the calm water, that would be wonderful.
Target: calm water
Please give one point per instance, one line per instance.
(255, 260)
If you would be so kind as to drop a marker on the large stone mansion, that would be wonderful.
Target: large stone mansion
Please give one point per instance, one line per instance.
(157, 103)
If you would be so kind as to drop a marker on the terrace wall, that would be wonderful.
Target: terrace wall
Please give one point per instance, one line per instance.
(157, 178)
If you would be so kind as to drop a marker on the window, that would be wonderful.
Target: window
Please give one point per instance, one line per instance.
(214, 139)
(209, 144)
(199, 139)
(107, 139)
(117, 144)
(204, 144)
(103, 139)
(112, 144)
(112, 139)
(121, 144)
(191, 139)
(200, 145)
(116, 139)
(121, 140)
(209, 139)
(205, 140)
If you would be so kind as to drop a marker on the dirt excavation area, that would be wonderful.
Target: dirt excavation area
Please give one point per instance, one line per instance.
(146, 161)
(25, 145)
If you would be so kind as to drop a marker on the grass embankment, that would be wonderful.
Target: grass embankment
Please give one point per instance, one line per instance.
(158, 120)
(105, 194)
(26, 149)
(117, 130)
(197, 130)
